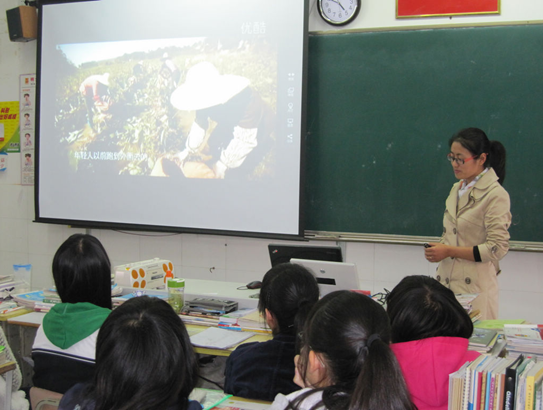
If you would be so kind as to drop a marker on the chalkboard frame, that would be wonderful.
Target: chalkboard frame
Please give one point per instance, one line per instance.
(318, 83)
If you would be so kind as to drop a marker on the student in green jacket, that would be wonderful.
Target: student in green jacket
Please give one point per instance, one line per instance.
(64, 347)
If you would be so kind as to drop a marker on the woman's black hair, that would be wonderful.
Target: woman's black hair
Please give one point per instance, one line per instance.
(82, 271)
(476, 142)
(288, 291)
(420, 307)
(351, 332)
(144, 359)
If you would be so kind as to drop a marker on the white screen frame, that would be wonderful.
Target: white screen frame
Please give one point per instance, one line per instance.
(272, 209)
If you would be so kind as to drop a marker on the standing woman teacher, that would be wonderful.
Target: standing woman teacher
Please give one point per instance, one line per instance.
(476, 221)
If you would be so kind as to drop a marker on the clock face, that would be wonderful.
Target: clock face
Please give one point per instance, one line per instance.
(339, 12)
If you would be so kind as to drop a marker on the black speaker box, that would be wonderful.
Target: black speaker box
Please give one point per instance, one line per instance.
(22, 23)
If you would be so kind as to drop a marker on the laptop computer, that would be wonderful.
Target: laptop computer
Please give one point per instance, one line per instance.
(282, 253)
(331, 276)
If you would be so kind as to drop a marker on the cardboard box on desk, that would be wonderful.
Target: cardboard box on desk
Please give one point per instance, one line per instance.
(149, 274)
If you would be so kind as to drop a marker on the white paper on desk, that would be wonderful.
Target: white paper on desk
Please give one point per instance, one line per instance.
(216, 338)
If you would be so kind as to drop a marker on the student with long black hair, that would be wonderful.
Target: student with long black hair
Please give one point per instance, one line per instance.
(346, 361)
(64, 347)
(144, 361)
(261, 370)
(430, 332)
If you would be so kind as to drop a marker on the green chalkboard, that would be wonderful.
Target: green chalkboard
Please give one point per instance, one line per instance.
(382, 106)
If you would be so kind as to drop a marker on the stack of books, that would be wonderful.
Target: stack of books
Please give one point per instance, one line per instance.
(120, 295)
(250, 321)
(10, 286)
(44, 300)
(199, 319)
(245, 319)
(8, 307)
(483, 340)
(497, 383)
(466, 300)
(524, 339)
(475, 315)
(50, 299)
(29, 299)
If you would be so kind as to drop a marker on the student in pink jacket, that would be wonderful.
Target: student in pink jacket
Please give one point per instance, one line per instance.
(430, 332)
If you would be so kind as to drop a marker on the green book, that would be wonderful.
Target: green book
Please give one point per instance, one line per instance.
(52, 300)
(482, 337)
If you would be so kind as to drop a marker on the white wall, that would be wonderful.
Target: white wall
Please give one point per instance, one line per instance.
(381, 13)
(232, 258)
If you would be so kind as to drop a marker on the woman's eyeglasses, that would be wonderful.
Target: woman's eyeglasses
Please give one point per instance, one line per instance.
(459, 161)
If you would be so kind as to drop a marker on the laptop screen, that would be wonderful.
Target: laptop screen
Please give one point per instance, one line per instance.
(331, 276)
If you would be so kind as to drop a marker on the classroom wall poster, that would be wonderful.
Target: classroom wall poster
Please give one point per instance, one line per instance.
(9, 126)
(429, 8)
(27, 126)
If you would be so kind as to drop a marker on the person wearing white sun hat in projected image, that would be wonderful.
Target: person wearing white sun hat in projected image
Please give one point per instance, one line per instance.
(231, 121)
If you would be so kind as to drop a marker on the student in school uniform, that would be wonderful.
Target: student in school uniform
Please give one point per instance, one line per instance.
(261, 370)
(144, 360)
(430, 332)
(64, 347)
(345, 360)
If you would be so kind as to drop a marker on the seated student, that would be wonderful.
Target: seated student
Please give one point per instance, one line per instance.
(64, 346)
(261, 370)
(430, 332)
(345, 360)
(144, 361)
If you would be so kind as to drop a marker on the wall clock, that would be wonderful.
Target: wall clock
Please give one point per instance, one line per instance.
(338, 12)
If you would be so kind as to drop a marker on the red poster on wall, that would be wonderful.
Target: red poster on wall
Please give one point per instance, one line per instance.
(428, 8)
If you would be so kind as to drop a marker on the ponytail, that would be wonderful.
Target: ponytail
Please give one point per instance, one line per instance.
(351, 333)
(288, 291)
(476, 142)
(496, 159)
(380, 384)
(304, 307)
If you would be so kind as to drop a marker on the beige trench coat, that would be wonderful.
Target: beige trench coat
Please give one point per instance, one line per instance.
(481, 217)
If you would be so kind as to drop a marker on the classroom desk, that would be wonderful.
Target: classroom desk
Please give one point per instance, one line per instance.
(21, 330)
(34, 320)
(31, 319)
(199, 288)
(27, 325)
(195, 329)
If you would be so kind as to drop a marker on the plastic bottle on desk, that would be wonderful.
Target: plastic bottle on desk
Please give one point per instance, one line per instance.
(176, 294)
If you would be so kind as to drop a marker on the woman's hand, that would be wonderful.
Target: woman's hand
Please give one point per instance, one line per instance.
(436, 252)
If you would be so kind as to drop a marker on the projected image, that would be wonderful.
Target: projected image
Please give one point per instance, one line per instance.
(186, 108)
(174, 116)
